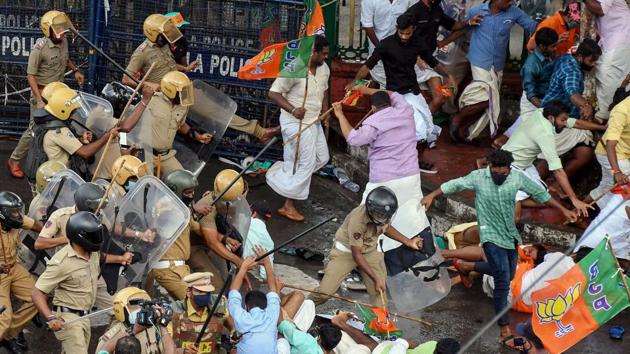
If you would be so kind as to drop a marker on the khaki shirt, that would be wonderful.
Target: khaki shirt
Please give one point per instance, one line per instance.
(147, 338)
(358, 230)
(10, 241)
(56, 224)
(167, 118)
(60, 144)
(180, 250)
(48, 61)
(72, 278)
(113, 153)
(148, 53)
(209, 220)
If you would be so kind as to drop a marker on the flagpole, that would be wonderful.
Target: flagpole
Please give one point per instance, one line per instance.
(299, 134)
(623, 277)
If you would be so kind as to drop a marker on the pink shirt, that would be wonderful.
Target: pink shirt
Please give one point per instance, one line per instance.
(614, 26)
(391, 138)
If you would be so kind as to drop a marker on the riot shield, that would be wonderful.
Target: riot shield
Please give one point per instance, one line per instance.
(211, 113)
(147, 221)
(94, 113)
(425, 283)
(140, 138)
(233, 220)
(59, 193)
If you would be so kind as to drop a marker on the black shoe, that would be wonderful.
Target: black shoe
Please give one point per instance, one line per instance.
(37, 321)
(21, 341)
(13, 347)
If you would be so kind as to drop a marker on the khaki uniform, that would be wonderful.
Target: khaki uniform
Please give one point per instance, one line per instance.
(187, 324)
(14, 280)
(167, 119)
(357, 230)
(74, 281)
(60, 144)
(148, 53)
(113, 153)
(48, 63)
(171, 278)
(148, 339)
(250, 127)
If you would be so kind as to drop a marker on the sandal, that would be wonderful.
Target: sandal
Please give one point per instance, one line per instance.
(520, 344)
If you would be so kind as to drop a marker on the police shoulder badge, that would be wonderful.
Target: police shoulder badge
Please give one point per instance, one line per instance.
(356, 235)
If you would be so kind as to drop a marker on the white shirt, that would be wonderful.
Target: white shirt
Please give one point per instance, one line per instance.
(615, 225)
(534, 276)
(381, 15)
(293, 91)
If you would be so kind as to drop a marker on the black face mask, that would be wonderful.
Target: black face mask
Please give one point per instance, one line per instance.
(161, 41)
(188, 200)
(585, 67)
(498, 178)
(547, 53)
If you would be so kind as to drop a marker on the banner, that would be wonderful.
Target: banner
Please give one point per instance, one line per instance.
(313, 19)
(288, 59)
(582, 300)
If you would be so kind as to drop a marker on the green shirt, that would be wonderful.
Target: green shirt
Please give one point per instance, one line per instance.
(534, 136)
(424, 348)
(495, 204)
(301, 342)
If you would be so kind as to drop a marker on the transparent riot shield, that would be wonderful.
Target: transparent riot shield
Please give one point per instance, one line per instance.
(234, 219)
(59, 193)
(424, 283)
(94, 113)
(211, 113)
(140, 138)
(146, 222)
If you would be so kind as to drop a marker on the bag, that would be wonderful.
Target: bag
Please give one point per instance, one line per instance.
(403, 258)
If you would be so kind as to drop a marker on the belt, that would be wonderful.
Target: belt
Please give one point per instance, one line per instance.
(80, 313)
(6, 268)
(161, 152)
(167, 264)
(340, 246)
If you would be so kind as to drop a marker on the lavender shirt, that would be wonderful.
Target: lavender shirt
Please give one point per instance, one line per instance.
(614, 26)
(391, 138)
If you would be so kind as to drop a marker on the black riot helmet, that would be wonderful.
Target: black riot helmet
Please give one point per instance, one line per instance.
(381, 205)
(85, 229)
(118, 94)
(11, 211)
(88, 196)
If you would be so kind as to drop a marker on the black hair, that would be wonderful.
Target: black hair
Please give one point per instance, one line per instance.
(320, 43)
(380, 99)
(128, 345)
(542, 251)
(256, 298)
(565, 10)
(554, 108)
(447, 346)
(620, 95)
(405, 21)
(589, 48)
(500, 158)
(583, 252)
(546, 36)
(329, 336)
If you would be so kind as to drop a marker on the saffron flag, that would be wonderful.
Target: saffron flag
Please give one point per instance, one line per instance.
(578, 303)
(313, 19)
(287, 59)
(353, 96)
(378, 323)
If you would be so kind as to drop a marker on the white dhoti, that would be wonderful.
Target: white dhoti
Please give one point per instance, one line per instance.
(378, 74)
(484, 87)
(608, 180)
(612, 222)
(612, 67)
(424, 75)
(426, 131)
(312, 156)
(532, 173)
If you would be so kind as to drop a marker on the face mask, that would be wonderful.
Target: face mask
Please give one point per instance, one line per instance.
(572, 24)
(201, 300)
(129, 186)
(497, 178)
(187, 200)
(586, 67)
(133, 316)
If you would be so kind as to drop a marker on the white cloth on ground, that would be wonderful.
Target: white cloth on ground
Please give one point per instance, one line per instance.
(425, 129)
(612, 221)
(608, 180)
(484, 87)
(313, 155)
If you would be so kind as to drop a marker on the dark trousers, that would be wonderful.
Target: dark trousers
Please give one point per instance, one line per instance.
(503, 264)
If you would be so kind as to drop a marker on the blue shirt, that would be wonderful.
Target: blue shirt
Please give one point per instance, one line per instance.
(536, 73)
(489, 42)
(259, 327)
(567, 79)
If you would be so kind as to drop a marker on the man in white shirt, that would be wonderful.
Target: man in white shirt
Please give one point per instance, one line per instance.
(313, 151)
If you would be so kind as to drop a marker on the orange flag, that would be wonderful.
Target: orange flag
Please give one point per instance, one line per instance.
(313, 20)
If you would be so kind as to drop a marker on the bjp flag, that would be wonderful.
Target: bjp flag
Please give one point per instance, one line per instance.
(288, 59)
(313, 19)
(578, 303)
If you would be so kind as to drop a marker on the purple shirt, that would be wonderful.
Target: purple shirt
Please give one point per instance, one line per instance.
(614, 26)
(391, 138)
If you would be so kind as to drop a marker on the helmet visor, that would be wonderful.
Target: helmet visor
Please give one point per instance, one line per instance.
(380, 216)
(61, 24)
(170, 31)
(187, 96)
(95, 238)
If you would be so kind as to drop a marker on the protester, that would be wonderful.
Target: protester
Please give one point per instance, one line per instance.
(128, 345)
(566, 23)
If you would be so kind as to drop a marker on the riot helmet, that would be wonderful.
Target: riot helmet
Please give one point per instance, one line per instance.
(132, 169)
(62, 103)
(176, 82)
(381, 205)
(221, 182)
(183, 184)
(86, 230)
(11, 211)
(88, 196)
(158, 24)
(58, 21)
(48, 90)
(45, 173)
(126, 298)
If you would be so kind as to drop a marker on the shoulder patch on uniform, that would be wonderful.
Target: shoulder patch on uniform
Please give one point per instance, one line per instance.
(70, 135)
(40, 43)
(142, 46)
(356, 235)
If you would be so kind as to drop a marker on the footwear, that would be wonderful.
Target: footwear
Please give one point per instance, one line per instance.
(15, 169)
(21, 341)
(292, 215)
(269, 133)
(12, 346)
(427, 168)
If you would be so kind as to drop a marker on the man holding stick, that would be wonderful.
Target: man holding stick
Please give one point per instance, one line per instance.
(302, 101)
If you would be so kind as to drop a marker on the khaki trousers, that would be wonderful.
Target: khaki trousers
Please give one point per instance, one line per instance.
(340, 265)
(75, 337)
(170, 279)
(21, 149)
(20, 284)
(200, 261)
(250, 127)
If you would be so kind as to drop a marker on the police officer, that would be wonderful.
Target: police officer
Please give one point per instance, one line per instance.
(355, 246)
(72, 274)
(14, 278)
(159, 32)
(127, 169)
(190, 314)
(170, 270)
(46, 63)
(127, 304)
(223, 245)
(45, 173)
(169, 108)
(180, 47)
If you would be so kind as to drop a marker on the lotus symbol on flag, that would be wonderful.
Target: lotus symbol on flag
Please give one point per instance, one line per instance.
(554, 309)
